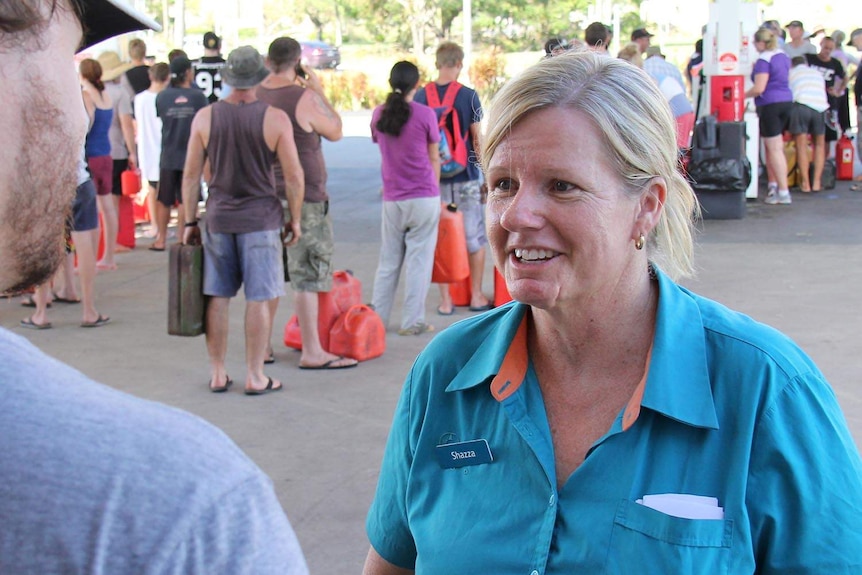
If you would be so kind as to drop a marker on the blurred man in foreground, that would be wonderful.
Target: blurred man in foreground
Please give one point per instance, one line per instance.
(93, 480)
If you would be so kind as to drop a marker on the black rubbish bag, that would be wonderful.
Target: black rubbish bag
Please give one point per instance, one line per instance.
(720, 174)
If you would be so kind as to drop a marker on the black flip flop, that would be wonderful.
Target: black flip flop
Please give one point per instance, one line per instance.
(328, 364)
(227, 383)
(267, 389)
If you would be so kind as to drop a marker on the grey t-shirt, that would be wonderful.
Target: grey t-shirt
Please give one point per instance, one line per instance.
(93, 480)
(122, 107)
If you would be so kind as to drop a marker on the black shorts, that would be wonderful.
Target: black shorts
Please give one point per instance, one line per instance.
(120, 166)
(170, 187)
(774, 118)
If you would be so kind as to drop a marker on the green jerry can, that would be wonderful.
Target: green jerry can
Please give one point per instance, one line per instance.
(186, 301)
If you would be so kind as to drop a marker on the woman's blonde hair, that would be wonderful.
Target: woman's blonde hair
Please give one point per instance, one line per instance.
(631, 53)
(766, 36)
(638, 134)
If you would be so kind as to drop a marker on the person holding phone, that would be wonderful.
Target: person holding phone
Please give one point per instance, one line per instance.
(309, 261)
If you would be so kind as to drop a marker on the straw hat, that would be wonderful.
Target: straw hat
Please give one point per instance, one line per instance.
(112, 67)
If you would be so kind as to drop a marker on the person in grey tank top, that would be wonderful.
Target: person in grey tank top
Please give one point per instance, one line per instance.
(243, 138)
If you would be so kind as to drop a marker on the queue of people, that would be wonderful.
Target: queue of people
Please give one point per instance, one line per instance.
(616, 420)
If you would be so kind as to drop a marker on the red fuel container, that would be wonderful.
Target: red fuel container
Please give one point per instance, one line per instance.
(358, 333)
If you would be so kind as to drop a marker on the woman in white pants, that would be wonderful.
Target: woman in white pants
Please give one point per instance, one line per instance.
(408, 136)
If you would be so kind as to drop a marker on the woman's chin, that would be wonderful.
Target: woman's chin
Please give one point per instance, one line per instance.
(532, 293)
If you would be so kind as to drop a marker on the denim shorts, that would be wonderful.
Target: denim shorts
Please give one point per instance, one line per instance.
(252, 259)
(85, 214)
(468, 197)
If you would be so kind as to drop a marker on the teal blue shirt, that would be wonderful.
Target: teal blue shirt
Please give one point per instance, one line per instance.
(731, 409)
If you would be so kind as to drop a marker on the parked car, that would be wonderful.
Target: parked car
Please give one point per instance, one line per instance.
(320, 54)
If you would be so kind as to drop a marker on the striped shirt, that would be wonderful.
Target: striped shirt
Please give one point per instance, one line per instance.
(808, 87)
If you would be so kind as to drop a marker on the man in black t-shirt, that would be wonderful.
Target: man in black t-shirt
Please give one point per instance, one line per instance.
(176, 105)
(833, 74)
(208, 69)
(137, 78)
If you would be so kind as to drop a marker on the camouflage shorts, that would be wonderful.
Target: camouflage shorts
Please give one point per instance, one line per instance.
(309, 262)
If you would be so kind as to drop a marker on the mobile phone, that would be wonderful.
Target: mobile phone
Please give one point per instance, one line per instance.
(300, 71)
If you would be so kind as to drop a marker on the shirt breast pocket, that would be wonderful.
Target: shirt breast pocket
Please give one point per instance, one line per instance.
(647, 541)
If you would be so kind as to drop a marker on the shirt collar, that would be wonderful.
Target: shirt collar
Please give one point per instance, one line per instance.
(677, 383)
(488, 358)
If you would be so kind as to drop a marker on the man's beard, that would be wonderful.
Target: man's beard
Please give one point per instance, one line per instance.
(42, 190)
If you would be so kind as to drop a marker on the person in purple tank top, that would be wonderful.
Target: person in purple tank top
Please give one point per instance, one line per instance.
(243, 138)
(774, 101)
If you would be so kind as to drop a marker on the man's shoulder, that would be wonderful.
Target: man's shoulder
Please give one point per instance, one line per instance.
(71, 412)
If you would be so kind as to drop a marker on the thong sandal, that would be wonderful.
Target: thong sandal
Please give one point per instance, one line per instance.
(269, 387)
(221, 389)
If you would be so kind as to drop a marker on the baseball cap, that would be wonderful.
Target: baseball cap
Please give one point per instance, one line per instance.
(853, 34)
(103, 19)
(179, 66)
(211, 41)
(641, 33)
(244, 68)
(796, 23)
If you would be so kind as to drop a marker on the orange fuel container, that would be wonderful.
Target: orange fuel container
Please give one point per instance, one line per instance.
(501, 292)
(450, 255)
(346, 292)
(126, 220)
(358, 333)
(130, 181)
(461, 291)
(844, 158)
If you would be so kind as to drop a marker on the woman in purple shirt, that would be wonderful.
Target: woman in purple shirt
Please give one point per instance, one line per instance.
(408, 136)
(774, 100)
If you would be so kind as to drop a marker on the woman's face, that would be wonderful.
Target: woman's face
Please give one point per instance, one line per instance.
(560, 225)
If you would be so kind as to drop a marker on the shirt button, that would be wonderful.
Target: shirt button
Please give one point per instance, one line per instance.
(534, 572)
(552, 500)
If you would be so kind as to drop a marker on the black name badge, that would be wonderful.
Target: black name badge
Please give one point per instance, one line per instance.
(464, 453)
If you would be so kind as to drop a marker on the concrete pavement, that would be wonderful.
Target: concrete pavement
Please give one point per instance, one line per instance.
(798, 268)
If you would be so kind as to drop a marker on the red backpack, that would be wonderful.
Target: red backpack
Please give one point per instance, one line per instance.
(453, 145)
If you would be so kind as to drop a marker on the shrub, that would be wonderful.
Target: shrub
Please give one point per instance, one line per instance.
(350, 91)
(488, 72)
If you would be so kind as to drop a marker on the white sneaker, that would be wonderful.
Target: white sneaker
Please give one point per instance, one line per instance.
(774, 198)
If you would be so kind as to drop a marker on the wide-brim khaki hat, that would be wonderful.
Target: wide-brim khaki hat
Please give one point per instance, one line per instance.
(103, 19)
(112, 66)
(245, 68)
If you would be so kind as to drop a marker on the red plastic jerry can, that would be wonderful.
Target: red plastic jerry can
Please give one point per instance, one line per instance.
(346, 292)
(501, 293)
(844, 158)
(358, 333)
(451, 263)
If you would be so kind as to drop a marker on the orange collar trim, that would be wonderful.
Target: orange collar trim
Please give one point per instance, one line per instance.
(513, 371)
(514, 367)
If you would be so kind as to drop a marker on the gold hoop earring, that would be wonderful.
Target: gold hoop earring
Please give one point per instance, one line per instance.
(639, 243)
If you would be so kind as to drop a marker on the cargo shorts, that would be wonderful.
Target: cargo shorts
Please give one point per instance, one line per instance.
(309, 262)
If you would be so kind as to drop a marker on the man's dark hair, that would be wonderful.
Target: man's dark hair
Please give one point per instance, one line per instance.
(284, 52)
(596, 34)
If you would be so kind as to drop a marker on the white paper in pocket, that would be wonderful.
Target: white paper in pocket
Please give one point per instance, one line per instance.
(684, 506)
